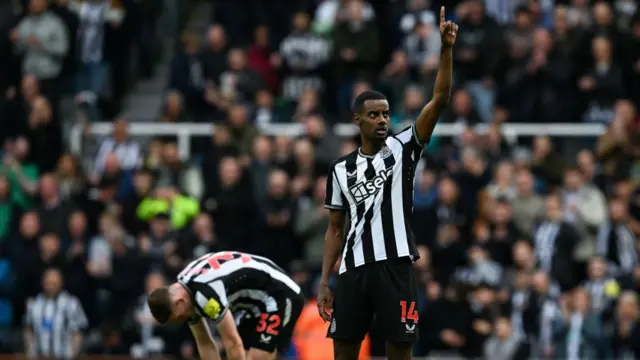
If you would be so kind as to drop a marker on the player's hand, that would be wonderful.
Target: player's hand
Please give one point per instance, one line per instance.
(325, 301)
(448, 31)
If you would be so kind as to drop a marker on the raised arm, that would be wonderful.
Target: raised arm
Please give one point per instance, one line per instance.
(430, 114)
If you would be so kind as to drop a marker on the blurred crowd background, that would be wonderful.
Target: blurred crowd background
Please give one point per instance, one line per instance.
(529, 243)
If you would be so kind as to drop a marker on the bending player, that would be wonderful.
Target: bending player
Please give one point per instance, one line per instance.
(253, 303)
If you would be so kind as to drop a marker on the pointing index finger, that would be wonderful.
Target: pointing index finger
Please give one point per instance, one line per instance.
(442, 15)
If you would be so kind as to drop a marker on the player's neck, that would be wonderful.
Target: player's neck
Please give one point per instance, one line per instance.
(371, 147)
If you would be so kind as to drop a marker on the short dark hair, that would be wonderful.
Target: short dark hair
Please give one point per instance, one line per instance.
(160, 304)
(358, 103)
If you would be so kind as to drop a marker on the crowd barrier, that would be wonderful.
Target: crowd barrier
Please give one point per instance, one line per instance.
(185, 131)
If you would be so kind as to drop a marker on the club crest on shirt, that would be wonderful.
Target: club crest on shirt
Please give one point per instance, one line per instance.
(333, 325)
(385, 152)
(212, 309)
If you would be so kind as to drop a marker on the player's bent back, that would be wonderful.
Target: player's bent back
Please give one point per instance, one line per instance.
(263, 300)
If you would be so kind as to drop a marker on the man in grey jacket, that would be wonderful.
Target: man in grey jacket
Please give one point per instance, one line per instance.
(42, 37)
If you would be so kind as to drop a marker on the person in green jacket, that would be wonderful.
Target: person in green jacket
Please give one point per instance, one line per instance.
(23, 178)
(181, 208)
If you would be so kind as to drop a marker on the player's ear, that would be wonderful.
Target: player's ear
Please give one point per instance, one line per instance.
(356, 119)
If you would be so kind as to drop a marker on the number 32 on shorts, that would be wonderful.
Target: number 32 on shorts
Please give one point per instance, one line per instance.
(408, 313)
(269, 324)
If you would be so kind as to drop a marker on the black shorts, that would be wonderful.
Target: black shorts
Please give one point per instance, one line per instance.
(273, 330)
(385, 291)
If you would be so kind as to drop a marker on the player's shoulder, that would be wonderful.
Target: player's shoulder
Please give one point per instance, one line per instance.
(342, 160)
(399, 137)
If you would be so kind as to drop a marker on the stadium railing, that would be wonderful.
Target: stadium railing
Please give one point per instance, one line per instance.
(186, 131)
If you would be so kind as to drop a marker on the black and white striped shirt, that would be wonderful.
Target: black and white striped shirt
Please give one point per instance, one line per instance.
(377, 192)
(128, 154)
(54, 321)
(241, 282)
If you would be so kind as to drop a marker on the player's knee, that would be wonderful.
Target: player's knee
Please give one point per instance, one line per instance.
(257, 354)
(346, 350)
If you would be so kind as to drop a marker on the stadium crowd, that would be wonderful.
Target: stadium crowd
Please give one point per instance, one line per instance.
(529, 246)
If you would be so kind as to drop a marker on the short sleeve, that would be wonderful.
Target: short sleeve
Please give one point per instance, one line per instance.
(334, 199)
(76, 315)
(410, 142)
(28, 315)
(211, 300)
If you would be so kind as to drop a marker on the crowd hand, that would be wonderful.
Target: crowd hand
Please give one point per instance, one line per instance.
(325, 302)
(348, 54)
(144, 243)
(169, 248)
(14, 35)
(450, 338)
(586, 83)
(33, 41)
(482, 326)
(275, 60)
(430, 64)
(76, 249)
(448, 31)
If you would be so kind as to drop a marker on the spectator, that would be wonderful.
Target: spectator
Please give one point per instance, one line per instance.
(555, 240)
(187, 75)
(214, 55)
(311, 222)
(238, 82)
(9, 212)
(127, 150)
(528, 207)
(70, 178)
(233, 204)
(626, 329)
(64, 323)
(355, 45)
(576, 198)
(42, 37)
(261, 59)
(168, 201)
(602, 83)
(181, 175)
(616, 243)
(504, 345)
(54, 211)
(22, 175)
(578, 332)
(303, 56)
(97, 17)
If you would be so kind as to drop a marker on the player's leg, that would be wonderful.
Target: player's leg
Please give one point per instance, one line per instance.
(352, 314)
(395, 293)
(399, 350)
(346, 350)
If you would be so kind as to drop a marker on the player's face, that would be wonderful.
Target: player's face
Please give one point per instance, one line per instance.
(374, 120)
(180, 312)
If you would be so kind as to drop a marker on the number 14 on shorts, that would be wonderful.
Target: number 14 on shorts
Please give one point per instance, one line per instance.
(408, 313)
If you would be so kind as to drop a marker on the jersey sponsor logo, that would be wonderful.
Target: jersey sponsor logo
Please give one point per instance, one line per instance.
(212, 309)
(363, 190)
